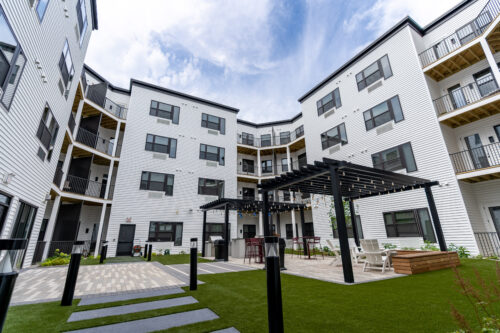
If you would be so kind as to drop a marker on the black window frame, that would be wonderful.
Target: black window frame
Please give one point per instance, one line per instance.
(247, 139)
(204, 189)
(248, 165)
(5, 201)
(350, 231)
(167, 189)
(245, 193)
(220, 125)
(362, 84)
(390, 111)
(82, 19)
(48, 128)
(302, 160)
(286, 196)
(221, 154)
(403, 162)
(334, 101)
(392, 229)
(247, 233)
(267, 138)
(218, 232)
(266, 165)
(328, 141)
(285, 137)
(67, 74)
(289, 231)
(171, 147)
(299, 131)
(177, 240)
(284, 166)
(308, 229)
(173, 114)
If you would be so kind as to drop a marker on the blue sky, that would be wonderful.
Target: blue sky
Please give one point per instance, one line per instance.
(259, 56)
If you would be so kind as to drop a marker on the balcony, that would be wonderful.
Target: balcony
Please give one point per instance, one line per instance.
(478, 164)
(71, 123)
(270, 141)
(469, 103)
(97, 94)
(83, 186)
(93, 140)
(58, 177)
(253, 171)
(463, 43)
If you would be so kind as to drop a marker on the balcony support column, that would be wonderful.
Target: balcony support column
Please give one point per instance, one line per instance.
(78, 117)
(261, 221)
(99, 230)
(491, 60)
(117, 134)
(108, 183)
(65, 166)
(288, 159)
(51, 225)
(259, 166)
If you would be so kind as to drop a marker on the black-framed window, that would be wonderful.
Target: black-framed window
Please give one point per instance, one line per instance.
(47, 130)
(249, 230)
(334, 136)
(213, 122)
(248, 193)
(299, 131)
(247, 139)
(164, 110)
(265, 140)
(497, 131)
(289, 230)
(43, 230)
(248, 165)
(12, 61)
(485, 82)
(395, 158)
(350, 232)
(212, 153)
(211, 187)
(302, 158)
(328, 102)
(216, 229)
(284, 165)
(166, 232)
(161, 144)
(410, 223)
(24, 221)
(155, 181)
(286, 196)
(4, 208)
(380, 68)
(284, 138)
(66, 65)
(383, 113)
(41, 7)
(267, 166)
(309, 229)
(81, 15)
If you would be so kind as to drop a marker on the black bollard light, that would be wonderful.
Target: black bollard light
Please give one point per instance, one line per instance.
(193, 278)
(74, 266)
(145, 250)
(274, 304)
(104, 252)
(9, 251)
(149, 252)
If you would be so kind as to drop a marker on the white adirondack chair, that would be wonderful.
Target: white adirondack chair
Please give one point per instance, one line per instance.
(375, 257)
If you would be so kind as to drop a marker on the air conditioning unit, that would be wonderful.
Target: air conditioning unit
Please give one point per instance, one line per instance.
(211, 164)
(385, 128)
(334, 149)
(163, 121)
(213, 132)
(329, 113)
(159, 156)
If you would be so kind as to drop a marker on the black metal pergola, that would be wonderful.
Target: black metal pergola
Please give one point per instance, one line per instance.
(241, 205)
(345, 180)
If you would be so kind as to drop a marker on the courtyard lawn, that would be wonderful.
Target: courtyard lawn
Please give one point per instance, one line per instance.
(419, 303)
(95, 260)
(174, 259)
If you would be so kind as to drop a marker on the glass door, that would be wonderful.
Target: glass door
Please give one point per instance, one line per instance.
(495, 215)
(476, 151)
(457, 97)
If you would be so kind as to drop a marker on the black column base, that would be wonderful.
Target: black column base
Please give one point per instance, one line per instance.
(7, 282)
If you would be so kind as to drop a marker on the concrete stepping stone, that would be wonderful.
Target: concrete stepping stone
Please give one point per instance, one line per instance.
(131, 308)
(227, 330)
(128, 296)
(155, 323)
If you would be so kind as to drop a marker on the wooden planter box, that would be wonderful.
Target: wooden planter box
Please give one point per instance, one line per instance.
(414, 262)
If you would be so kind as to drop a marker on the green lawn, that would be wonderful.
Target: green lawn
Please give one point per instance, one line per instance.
(95, 261)
(174, 259)
(419, 303)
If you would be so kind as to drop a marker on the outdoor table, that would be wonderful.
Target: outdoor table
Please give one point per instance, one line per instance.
(308, 242)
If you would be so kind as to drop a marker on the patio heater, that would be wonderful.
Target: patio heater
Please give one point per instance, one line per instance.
(104, 251)
(74, 266)
(8, 272)
(274, 304)
(194, 263)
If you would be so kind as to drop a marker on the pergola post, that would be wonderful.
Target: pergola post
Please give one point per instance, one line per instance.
(265, 213)
(226, 232)
(353, 222)
(204, 233)
(435, 218)
(278, 224)
(341, 226)
(303, 225)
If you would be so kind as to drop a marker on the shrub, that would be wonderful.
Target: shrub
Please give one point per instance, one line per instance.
(461, 250)
(408, 248)
(59, 258)
(389, 246)
(429, 247)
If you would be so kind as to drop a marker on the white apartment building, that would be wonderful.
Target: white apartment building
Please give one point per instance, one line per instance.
(135, 164)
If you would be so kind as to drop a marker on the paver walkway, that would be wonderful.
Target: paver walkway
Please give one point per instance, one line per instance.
(129, 296)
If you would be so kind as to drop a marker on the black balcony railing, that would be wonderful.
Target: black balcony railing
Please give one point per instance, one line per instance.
(269, 141)
(489, 243)
(67, 247)
(84, 186)
(476, 158)
(58, 177)
(97, 94)
(93, 140)
(462, 36)
(466, 95)
(71, 123)
(267, 171)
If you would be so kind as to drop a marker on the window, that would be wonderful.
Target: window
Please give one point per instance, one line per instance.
(212, 153)
(284, 165)
(284, 138)
(165, 232)
(485, 82)
(66, 66)
(302, 158)
(81, 14)
(286, 196)
(396, 158)
(41, 7)
(249, 230)
(4, 208)
(265, 140)
(22, 228)
(299, 131)
(247, 139)
(216, 229)
(248, 193)
(161, 144)
(163, 110)
(12, 61)
(410, 223)
(308, 229)
(248, 166)
(289, 231)
(380, 68)
(383, 113)
(154, 181)
(350, 232)
(213, 122)
(334, 136)
(267, 166)
(329, 102)
(47, 130)
(211, 187)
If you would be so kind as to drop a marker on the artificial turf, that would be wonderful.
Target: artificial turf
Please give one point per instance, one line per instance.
(174, 259)
(419, 303)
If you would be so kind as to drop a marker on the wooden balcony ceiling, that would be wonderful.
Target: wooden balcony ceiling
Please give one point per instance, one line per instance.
(465, 58)
(247, 180)
(78, 97)
(269, 151)
(246, 150)
(472, 115)
(298, 145)
(482, 178)
(493, 39)
(106, 121)
(66, 143)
